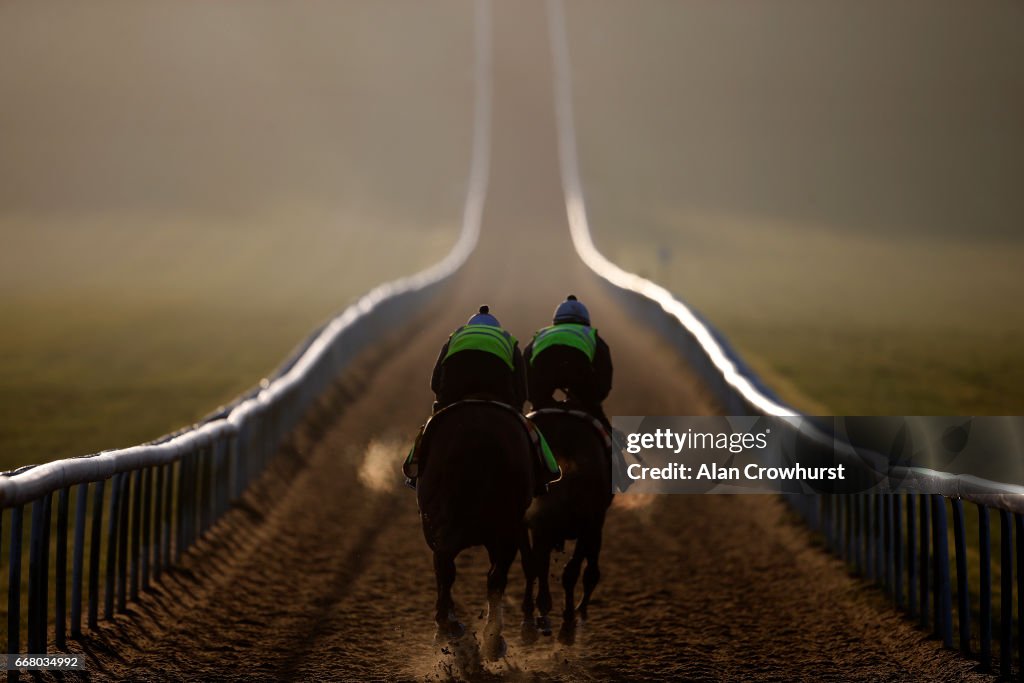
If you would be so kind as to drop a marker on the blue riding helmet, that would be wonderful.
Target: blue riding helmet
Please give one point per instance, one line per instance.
(484, 317)
(571, 311)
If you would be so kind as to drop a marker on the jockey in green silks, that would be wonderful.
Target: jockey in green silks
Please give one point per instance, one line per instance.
(481, 360)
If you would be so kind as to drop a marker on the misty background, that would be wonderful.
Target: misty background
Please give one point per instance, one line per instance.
(836, 185)
(187, 190)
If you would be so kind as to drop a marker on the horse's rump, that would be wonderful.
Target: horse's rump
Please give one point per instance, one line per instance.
(585, 490)
(477, 478)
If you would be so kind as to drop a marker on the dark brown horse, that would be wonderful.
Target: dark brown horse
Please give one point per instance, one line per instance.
(574, 508)
(474, 489)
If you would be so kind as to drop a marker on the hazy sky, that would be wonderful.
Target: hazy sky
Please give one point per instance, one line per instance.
(904, 116)
(222, 105)
(880, 115)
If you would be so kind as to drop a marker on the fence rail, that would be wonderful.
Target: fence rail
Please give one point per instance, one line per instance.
(898, 540)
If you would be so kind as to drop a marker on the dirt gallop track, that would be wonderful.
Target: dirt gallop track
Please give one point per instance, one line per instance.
(328, 577)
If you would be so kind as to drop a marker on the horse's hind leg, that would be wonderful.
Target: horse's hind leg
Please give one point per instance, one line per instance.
(592, 574)
(570, 575)
(542, 569)
(444, 571)
(529, 629)
(502, 555)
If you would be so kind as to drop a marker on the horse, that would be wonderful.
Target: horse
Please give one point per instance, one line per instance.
(476, 483)
(574, 508)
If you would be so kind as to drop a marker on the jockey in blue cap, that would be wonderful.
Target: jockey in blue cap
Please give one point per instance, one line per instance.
(571, 356)
(480, 360)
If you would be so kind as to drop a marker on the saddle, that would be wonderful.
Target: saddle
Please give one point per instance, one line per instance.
(581, 414)
(612, 443)
(548, 472)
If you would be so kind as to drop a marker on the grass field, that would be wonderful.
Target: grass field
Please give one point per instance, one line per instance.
(138, 347)
(185, 193)
(835, 185)
(847, 323)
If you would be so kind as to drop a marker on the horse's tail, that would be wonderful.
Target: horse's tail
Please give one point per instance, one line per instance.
(582, 452)
(478, 475)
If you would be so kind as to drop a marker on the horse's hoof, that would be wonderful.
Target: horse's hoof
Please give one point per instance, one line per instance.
(544, 625)
(567, 633)
(495, 648)
(528, 632)
(450, 630)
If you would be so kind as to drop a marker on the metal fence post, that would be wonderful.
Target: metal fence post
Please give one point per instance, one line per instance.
(36, 573)
(943, 587)
(78, 559)
(60, 595)
(963, 596)
(923, 505)
(224, 489)
(14, 581)
(179, 528)
(871, 541)
(1006, 593)
(213, 458)
(190, 498)
(882, 565)
(203, 480)
(858, 536)
(94, 554)
(846, 502)
(985, 581)
(897, 549)
(912, 579)
(112, 525)
(839, 509)
(159, 528)
(192, 472)
(147, 524)
(168, 521)
(826, 519)
(136, 532)
(830, 523)
(238, 471)
(122, 542)
(216, 463)
(1018, 522)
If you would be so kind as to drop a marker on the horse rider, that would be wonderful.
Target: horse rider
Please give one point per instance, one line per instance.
(482, 360)
(571, 356)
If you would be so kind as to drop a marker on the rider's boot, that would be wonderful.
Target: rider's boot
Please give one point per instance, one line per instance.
(620, 468)
(618, 439)
(546, 468)
(411, 466)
